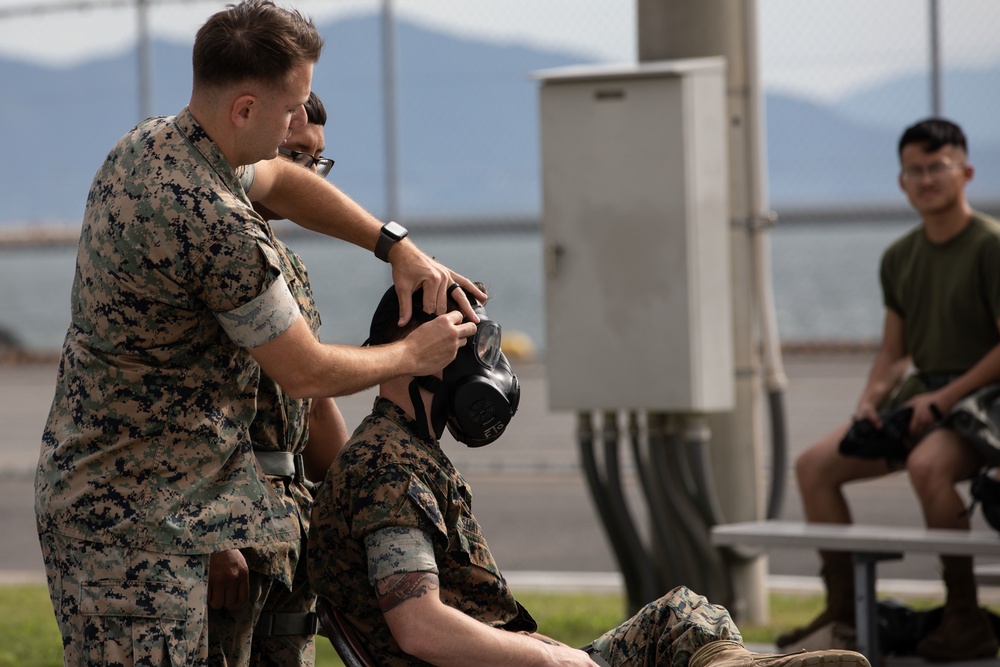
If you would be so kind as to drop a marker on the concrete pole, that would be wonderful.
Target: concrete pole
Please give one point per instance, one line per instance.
(144, 65)
(673, 29)
(389, 111)
(934, 21)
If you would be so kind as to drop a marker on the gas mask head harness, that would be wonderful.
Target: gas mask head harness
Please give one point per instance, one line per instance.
(477, 394)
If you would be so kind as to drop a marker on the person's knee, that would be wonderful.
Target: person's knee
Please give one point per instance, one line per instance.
(918, 470)
(927, 473)
(809, 467)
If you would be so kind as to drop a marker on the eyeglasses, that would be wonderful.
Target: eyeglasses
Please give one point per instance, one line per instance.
(935, 171)
(323, 164)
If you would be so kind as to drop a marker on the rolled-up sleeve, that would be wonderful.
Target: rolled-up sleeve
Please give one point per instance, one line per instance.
(263, 318)
(399, 550)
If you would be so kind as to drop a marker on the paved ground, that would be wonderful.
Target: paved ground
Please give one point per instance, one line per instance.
(530, 495)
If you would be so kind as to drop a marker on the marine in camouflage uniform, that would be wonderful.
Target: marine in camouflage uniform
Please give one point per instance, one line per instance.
(146, 461)
(389, 480)
(277, 624)
(146, 465)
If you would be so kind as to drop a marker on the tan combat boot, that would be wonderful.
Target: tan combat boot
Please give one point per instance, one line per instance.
(838, 577)
(733, 654)
(965, 632)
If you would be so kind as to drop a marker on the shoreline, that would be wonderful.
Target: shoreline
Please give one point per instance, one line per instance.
(19, 356)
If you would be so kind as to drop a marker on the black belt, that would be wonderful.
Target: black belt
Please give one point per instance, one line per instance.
(303, 623)
(281, 464)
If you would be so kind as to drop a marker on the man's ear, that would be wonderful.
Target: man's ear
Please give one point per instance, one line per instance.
(243, 107)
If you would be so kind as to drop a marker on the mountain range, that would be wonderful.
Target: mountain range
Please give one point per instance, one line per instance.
(467, 127)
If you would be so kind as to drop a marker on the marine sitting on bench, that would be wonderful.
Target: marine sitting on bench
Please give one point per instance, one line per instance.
(395, 549)
(941, 290)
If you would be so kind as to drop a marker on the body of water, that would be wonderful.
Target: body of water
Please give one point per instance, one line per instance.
(825, 282)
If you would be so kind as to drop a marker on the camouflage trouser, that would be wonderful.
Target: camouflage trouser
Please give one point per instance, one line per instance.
(233, 641)
(667, 632)
(119, 607)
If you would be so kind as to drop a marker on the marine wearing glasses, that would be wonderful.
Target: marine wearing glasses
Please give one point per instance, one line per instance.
(322, 164)
(935, 171)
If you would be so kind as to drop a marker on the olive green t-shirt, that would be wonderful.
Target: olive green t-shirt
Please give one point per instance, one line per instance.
(947, 294)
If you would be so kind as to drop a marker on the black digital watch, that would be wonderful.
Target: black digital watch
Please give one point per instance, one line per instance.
(391, 233)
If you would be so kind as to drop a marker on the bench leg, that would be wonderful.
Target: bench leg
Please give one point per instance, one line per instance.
(865, 610)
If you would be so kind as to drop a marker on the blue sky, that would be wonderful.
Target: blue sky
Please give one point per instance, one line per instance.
(814, 48)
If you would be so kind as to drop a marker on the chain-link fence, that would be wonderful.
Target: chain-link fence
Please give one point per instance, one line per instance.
(841, 80)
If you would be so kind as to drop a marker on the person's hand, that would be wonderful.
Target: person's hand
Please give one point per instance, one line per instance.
(413, 269)
(228, 580)
(560, 654)
(928, 409)
(867, 410)
(433, 345)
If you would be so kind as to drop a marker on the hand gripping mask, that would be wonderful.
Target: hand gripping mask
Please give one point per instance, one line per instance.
(478, 392)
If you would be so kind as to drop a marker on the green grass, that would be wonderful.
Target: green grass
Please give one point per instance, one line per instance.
(786, 611)
(29, 636)
(28, 633)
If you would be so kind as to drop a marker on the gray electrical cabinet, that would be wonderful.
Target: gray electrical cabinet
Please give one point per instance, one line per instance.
(636, 233)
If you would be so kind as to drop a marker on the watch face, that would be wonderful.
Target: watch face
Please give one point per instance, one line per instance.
(394, 230)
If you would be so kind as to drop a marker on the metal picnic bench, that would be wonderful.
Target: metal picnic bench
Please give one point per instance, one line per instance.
(869, 544)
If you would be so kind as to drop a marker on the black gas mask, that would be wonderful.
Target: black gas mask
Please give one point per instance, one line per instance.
(478, 393)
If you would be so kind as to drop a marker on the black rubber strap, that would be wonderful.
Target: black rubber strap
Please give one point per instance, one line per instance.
(280, 625)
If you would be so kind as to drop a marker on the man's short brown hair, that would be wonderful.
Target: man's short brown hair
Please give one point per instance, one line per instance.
(253, 40)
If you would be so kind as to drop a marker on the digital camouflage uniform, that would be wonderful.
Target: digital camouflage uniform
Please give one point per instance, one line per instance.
(278, 582)
(388, 477)
(146, 451)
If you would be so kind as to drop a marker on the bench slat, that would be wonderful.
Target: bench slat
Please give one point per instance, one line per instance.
(857, 538)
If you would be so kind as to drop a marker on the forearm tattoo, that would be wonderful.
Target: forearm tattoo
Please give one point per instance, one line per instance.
(394, 590)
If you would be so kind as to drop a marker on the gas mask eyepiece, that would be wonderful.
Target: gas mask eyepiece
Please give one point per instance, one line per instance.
(486, 342)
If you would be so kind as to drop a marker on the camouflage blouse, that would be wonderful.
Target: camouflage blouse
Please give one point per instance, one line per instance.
(386, 476)
(146, 444)
(282, 425)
